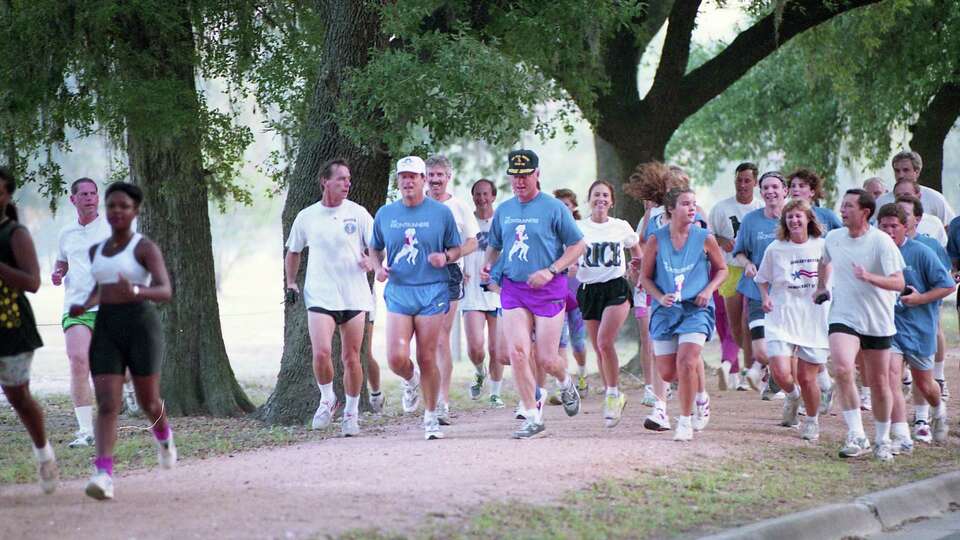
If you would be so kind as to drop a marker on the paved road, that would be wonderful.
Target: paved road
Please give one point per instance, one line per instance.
(943, 528)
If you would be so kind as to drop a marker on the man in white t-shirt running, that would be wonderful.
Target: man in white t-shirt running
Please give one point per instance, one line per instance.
(439, 173)
(335, 289)
(724, 220)
(867, 275)
(907, 167)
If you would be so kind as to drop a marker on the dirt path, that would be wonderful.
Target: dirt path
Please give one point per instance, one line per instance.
(391, 478)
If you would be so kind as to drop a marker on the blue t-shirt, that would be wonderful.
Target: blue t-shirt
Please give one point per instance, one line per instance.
(936, 248)
(532, 235)
(917, 325)
(827, 218)
(953, 239)
(757, 231)
(410, 234)
(690, 261)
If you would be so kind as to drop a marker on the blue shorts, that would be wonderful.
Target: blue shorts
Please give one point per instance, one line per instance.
(430, 299)
(667, 322)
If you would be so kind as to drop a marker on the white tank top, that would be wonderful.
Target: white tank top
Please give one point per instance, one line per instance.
(106, 270)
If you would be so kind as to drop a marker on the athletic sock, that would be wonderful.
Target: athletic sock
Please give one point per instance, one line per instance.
(701, 397)
(796, 392)
(104, 464)
(43, 453)
(660, 404)
(581, 370)
(162, 434)
(814, 418)
(938, 370)
(922, 412)
(541, 392)
(567, 382)
(854, 422)
(479, 368)
(824, 381)
(326, 392)
(684, 420)
(84, 418)
(374, 394)
(883, 431)
(613, 391)
(415, 379)
(940, 410)
(353, 405)
(900, 430)
(495, 387)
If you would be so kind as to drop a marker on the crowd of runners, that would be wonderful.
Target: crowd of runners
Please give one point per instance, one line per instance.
(818, 310)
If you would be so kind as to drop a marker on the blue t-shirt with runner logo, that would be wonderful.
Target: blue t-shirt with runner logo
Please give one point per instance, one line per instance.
(917, 325)
(532, 235)
(410, 235)
(757, 232)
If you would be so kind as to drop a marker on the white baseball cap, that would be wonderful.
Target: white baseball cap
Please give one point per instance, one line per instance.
(411, 164)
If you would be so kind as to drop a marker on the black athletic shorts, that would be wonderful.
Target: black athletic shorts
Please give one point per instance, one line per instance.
(867, 343)
(339, 317)
(127, 336)
(456, 282)
(593, 298)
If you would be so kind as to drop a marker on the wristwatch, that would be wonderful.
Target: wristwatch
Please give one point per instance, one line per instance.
(553, 269)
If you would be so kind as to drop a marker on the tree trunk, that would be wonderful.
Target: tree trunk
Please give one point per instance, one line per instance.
(196, 376)
(353, 30)
(931, 129)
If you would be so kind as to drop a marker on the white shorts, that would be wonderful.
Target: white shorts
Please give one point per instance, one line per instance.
(811, 355)
(665, 347)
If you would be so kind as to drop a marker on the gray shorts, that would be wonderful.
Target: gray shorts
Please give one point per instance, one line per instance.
(811, 355)
(919, 363)
(15, 370)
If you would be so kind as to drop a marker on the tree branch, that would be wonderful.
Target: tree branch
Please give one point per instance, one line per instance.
(676, 47)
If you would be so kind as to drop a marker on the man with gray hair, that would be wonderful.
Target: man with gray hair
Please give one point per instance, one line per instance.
(906, 168)
(875, 186)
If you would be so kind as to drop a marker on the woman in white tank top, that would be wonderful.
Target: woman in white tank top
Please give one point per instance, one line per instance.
(130, 274)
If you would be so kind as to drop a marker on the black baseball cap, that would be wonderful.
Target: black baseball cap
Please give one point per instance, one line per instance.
(522, 162)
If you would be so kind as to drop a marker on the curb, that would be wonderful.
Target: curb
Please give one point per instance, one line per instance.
(866, 515)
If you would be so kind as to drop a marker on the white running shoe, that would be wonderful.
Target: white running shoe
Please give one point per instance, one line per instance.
(921, 431)
(100, 486)
(866, 402)
(906, 384)
(826, 399)
(883, 451)
(754, 376)
(810, 430)
(349, 425)
(518, 413)
(741, 382)
(613, 409)
(83, 440)
(940, 429)
(324, 415)
(723, 376)
(791, 409)
(649, 398)
(431, 429)
(49, 474)
(411, 396)
(443, 413)
(377, 401)
(657, 420)
(166, 452)
(684, 431)
(901, 445)
(701, 414)
(855, 446)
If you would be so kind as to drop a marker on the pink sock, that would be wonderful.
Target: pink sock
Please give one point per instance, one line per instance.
(162, 434)
(105, 464)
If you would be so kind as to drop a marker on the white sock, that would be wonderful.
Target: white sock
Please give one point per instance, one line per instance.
(940, 411)
(326, 392)
(44, 453)
(883, 431)
(701, 397)
(495, 387)
(533, 414)
(854, 422)
(796, 392)
(479, 368)
(824, 381)
(567, 381)
(581, 370)
(84, 418)
(428, 416)
(660, 404)
(613, 391)
(922, 412)
(813, 418)
(938, 370)
(415, 379)
(900, 430)
(353, 405)
(541, 392)
(683, 420)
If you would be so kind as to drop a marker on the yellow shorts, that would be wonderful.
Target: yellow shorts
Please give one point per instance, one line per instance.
(729, 286)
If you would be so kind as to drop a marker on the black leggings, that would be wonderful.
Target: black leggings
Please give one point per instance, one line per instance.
(127, 336)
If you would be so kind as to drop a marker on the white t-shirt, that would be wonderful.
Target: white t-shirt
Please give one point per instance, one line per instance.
(74, 245)
(791, 271)
(336, 237)
(603, 259)
(725, 218)
(466, 221)
(856, 303)
(931, 226)
(475, 298)
(932, 200)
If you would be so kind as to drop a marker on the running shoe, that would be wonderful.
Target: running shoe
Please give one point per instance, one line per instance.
(571, 400)
(431, 429)
(49, 474)
(657, 420)
(649, 398)
(83, 440)
(826, 400)
(672, 390)
(906, 384)
(791, 406)
(810, 430)
(100, 486)
(324, 414)
(855, 446)
(866, 402)
(701, 414)
(349, 425)
(940, 429)
(921, 431)
(944, 389)
(496, 402)
(130, 400)
(802, 409)
(529, 430)
(754, 376)
(582, 385)
(901, 445)
(613, 409)
(377, 401)
(477, 387)
(741, 382)
(554, 398)
(723, 376)
(684, 431)
(443, 414)
(771, 390)
(883, 452)
(518, 412)
(166, 452)
(411, 396)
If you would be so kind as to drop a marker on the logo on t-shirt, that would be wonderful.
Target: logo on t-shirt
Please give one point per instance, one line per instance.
(519, 247)
(483, 241)
(409, 250)
(350, 225)
(608, 254)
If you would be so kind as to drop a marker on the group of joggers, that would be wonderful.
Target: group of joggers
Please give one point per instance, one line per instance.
(782, 279)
